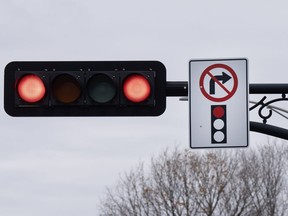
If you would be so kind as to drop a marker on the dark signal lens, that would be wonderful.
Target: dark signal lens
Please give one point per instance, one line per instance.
(31, 88)
(136, 88)
(101, 88)
(66, 89)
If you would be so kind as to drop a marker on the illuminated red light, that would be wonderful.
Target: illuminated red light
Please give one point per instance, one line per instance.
(136, 88)
(31, 88)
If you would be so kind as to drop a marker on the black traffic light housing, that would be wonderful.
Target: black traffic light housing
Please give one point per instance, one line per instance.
(92, 88)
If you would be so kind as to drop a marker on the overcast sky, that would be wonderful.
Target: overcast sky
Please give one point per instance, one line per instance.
(61, 166)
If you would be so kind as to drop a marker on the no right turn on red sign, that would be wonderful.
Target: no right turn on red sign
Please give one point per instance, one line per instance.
(218, 96)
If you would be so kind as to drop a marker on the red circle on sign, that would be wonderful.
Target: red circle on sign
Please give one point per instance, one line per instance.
(218, 112)
(229, 93)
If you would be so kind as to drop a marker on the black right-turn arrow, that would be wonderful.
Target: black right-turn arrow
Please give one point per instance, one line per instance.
(224, 78)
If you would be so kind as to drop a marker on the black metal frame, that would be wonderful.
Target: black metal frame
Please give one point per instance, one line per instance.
(179, 89)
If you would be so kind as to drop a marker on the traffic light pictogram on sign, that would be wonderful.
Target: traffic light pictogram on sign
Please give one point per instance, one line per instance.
(111, 88)
(218, 124)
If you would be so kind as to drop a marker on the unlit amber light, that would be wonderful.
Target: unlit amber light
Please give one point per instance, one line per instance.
(136, 88)
(66, 89)
(31, 88)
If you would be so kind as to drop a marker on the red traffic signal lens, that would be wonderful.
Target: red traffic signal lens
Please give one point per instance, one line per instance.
(66, 89)
(136, 88)
(31, 88)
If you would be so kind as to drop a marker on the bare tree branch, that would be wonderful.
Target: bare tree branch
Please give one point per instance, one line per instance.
(214, 183)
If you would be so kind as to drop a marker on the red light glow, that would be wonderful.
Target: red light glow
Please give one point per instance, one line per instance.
(31, 88)
(136, 88)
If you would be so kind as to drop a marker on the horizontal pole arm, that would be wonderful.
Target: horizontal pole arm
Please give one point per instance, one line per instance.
(180, 88)
(269, 88)
(269, 130)
(176, 89)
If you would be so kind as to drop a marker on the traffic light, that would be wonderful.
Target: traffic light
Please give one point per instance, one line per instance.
(218, 124)
(101, 88)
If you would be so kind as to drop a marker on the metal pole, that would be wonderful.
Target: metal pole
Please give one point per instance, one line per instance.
(269, 130)
(180, 88)
(263, 88)
(176, 89)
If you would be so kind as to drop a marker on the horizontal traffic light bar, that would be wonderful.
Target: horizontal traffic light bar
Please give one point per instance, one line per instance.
(99, 88)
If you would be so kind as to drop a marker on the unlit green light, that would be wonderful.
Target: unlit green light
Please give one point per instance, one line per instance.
(101, 88)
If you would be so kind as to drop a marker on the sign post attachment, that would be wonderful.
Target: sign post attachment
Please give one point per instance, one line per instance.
(218, 98)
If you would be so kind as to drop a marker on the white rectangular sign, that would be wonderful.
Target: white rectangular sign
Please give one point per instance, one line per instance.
(218, 97)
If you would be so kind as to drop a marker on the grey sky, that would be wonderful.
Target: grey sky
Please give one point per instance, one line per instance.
(60, 166)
